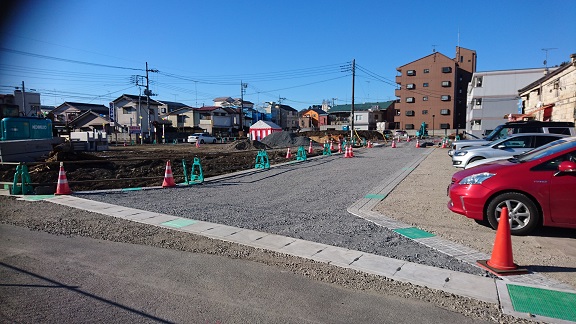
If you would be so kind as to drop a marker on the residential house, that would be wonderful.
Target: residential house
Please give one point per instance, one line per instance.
(217, 120)
(65, 114)
(552, 97)
(184, 119)
(493, 98)
(135, 114)
(432, 90)
(169, 106)
(29, 103)
(248, 111)
(313, 119)
(366, 115)
(283, 115)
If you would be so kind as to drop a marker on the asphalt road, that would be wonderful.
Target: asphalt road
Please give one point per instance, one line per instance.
(68, 279)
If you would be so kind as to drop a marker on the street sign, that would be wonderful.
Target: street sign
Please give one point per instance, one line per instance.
(134, 130)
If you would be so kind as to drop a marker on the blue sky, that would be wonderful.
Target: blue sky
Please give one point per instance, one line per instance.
(87, 51)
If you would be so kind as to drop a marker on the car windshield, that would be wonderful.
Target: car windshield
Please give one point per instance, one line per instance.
(545, 150)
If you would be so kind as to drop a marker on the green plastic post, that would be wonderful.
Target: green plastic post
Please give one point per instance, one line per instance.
(326, 150)
(262, 160)
(196, 174)
(185, 173)
(21, 183)
(301, 154)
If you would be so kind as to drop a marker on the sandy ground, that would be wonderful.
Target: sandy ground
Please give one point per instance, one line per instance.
(421, 199)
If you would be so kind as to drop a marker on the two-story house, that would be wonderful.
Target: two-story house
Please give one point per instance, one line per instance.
(313, 119)
(366, 115)
(218, 121)
(282, 115)
(552, 97)
(135, 114)
(65, 115)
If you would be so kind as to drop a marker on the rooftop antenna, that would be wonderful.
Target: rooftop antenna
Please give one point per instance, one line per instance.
(434, 48)
(546, 60)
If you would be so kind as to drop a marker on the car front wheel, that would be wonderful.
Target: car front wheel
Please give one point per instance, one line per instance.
(523, 214)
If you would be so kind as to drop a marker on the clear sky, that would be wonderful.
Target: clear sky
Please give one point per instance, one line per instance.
(87, 51)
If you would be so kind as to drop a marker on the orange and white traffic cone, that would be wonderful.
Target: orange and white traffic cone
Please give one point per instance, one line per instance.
(443, 144)
(351, 152)
(502, 263)
(197, 143)
(331, 145)
(62, 187)
(288, 154)
(393, 144)
(417, 143)
(310, 150)
(408, 139)
(168, 178)
(339, 147)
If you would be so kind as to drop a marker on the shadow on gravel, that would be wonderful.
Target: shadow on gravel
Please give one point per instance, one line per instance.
(555, 232)
(545, 268)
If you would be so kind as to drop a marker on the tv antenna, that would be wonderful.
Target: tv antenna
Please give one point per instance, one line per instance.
(546, 50)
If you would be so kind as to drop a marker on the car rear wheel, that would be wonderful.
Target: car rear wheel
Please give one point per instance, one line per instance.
(523, 214)
(201, 141)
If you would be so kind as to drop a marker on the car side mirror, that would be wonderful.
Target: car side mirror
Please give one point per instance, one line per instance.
(567, 166)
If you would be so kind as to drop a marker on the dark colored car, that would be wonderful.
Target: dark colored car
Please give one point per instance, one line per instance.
(537, 187)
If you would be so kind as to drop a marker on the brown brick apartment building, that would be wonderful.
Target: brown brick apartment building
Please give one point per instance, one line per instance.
(432, 90)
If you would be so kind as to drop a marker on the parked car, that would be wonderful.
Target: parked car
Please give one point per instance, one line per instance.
(504, 130)
(516, 156)
(537, 187)
(400, 133)
(202, 137)
(504, 147)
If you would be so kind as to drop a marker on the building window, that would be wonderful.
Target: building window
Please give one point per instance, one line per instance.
(126, 111)
(444, 111)
(425, 98)
(446, 84)
(444, 126)
(397, 112)
(425, 84)
(479, 81)
(425, 112)
(447, 69)
(409, 112)
(409, 126)
(358, 117)
(426, 70)
(411, 86)
(445, 98)
(411, 72)
(478, 101)
(410, 99)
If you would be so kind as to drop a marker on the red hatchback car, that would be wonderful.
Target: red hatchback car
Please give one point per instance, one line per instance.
(538, 187)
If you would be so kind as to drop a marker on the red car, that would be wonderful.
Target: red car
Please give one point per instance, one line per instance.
(538, 187)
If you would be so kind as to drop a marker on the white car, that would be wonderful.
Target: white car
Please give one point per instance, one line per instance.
(514, 157)
(202, 137)
(502, 148)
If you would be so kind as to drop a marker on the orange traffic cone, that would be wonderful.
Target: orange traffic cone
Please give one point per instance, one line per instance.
(339, 147)
(168, 178)
(417, 143)
(407, 138)
(197, 143)
(310, 148)
(443, 144)
(351, 152)
(62, 187)
(502, 263)
(331, 145)
(393, 144)
(288, 154)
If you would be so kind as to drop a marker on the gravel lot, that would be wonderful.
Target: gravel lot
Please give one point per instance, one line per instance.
(264, 200)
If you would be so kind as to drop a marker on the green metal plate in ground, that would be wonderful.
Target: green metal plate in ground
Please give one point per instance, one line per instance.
(373, 196)
(543, 302)
(413, 233)
(38, 197)
(180, 222)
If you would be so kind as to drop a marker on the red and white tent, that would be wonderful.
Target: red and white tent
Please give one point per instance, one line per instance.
(261, 129)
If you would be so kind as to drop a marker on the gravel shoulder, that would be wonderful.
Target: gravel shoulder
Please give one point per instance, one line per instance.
(420, 200)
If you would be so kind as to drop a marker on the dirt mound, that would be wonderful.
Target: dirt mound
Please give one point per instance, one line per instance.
(245, 144)
(285, 139)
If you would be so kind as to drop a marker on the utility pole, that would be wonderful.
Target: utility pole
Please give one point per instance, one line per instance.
(243, 87)
(352, 109)
(24, 99)
(148, 94)
(546, 60)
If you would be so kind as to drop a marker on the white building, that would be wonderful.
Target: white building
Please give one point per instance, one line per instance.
(493, 95)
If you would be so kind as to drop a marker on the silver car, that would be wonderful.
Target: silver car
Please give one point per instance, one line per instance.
(502, 148)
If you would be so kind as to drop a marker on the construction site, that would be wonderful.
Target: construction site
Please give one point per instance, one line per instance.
(132, 166)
